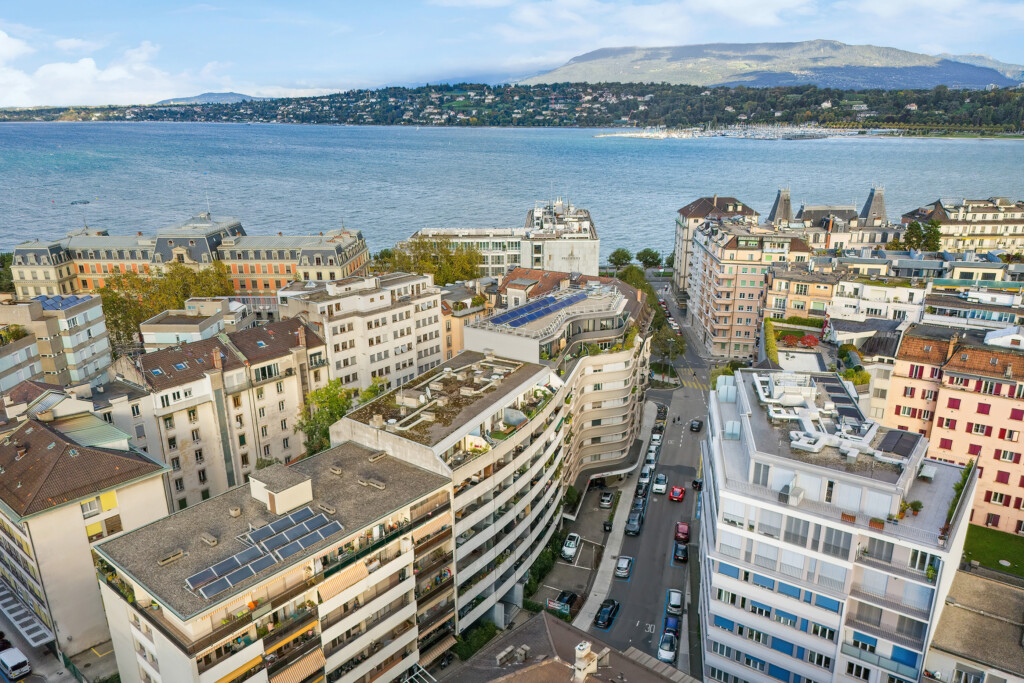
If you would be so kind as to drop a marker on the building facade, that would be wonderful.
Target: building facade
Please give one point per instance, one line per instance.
(975, 224)
(963, 390)
(692, 216)
(804, 577)
(19, 360)
(322, 570)
(726, 285)
(71, 335)
(224, 406)
(557, 236)
(462, 304)
(85, 259)
(201, 318)
(799, 291)
(384, 328)
(859, 298)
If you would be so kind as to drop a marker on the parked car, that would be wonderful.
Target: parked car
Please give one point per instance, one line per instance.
(652, 457)
(681, 553)
(14, 664)
(667, 648)
(677, 493)
(568, 598)
(645, 475)
(656, 438)
(698, 484)
(569, 548)
(671, 625)
(659, 428)
(606, 613)
(674, 605)
(624, 567)
(660, 484)
(662, 412)
(634, 523)
(682, 532)
(641, 489)
(696, 425)
(606, 500)
(639, 504)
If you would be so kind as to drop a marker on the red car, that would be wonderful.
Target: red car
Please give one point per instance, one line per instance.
(676, 493)
(682, 532)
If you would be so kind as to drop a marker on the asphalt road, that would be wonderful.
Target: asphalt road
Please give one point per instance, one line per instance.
(642, 597)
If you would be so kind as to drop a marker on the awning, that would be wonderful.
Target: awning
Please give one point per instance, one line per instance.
(240, 670)
(25, 620)
(334, 585)
(433, 653)
(302, 669)
(431, 527)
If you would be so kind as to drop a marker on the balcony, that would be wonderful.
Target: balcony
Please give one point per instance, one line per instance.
(884, 632)
(433, 563)
(299, 621)
(357, 632)
(899, 569)
(425, 544)
(294, 654)
(889, 603)
(903, 670)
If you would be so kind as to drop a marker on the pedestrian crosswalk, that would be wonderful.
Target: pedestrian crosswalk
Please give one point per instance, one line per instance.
(694, 384)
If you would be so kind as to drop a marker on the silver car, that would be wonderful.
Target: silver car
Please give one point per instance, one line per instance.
(674, 605)
(624, 567)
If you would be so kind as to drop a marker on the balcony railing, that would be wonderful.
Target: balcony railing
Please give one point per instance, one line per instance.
(883, 632)
(293, 655)
(297, 622)
(903, 670)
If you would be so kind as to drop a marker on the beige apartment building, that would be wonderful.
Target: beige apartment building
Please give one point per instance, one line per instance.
(71, 334)
(322, 570)
(975, 224)
(384, 327)
(712, 209)
(201, 318)
(726, 284)
(223, 406)
(963, 390)
(799, 290)
(69, 481)
(462, 304)
(831, 226)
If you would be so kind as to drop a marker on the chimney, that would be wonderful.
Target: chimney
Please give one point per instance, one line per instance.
(714, 201)
(952, 345)
(302, 335)
(216, 359)
(377, 421)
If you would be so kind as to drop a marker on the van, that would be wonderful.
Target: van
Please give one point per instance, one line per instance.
(14, 664)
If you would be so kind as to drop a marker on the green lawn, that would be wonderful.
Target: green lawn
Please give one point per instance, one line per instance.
(663, 368)
(988, 546)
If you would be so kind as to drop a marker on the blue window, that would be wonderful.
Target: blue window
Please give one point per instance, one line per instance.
(904, 656)
(804, 625)
(761, 605)
(787, 616)
(778, 672)
(728, 570)
(764, 582)
(867, 640)
(720, 622)
(826, 603)
(791, 591)
(783, 646)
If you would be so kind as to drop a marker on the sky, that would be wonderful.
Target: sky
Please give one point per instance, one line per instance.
(116, 52)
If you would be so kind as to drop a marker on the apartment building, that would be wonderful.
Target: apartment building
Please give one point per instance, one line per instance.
(322, 570)
(71, 335)
(963, 390)
(799, 290)
(201, 318)
(557, 236)
(975, 308)
(975, 224)
(981, 635)
(836, 227)
(878, 356)
(712, 209)
(67, 481)
(86, 258)
(385, 327)
(726, 284)
(462, 304)
(859, 298)
(224, 406)
(19, 358)
(810, 570)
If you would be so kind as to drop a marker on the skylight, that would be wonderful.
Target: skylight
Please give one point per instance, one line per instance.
(261, 344)
(157, 371)
(180, 366)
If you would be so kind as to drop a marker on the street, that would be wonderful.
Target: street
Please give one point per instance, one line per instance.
(642, 597)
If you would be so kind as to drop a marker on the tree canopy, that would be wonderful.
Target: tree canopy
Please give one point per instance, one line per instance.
(327, 405)
(6, 277)
(129, 299)
(649, 258)
(667, 344)
(448, 262)
(924, 238)
(620, 258)
(634, 276)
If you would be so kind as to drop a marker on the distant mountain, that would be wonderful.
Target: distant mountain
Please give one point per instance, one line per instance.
(825, 63)
(1013, 71)
(213, 98)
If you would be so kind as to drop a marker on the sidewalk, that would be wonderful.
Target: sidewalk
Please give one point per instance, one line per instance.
(603, 580)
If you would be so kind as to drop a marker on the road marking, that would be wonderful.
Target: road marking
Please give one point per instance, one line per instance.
(104, 654)
(649, 628)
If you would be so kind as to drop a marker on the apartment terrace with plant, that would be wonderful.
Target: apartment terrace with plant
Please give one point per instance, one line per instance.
(829, 542)
(310, 571)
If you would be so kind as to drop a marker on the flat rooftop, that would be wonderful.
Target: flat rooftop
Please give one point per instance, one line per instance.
(176, 319)
(454, 394)
(356, 506)
(983, 622)
(541, 317)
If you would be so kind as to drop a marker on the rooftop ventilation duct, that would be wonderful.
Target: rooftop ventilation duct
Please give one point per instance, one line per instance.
(170, 557)
(235, 511)
(208, 538)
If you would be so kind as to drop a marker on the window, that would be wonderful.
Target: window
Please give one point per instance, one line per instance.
(284, 443)
(241, 439)
(280, 406)
(202, 476)
(195, 435)
(135, 410)
(858, 671)
(823, 632)
(179, 484)
(280, 387)
(236, 401)
(759, 610)
(91, 507)
(199, 456)
(266, 450)
(984, 408)
(259, 393)
(263, 430)
(284, 424)
(862, 645)
(978, 428)
(140, 431)
(953, 403)
(753, 662)
(193, 415)
(818, 659)
(172, 443)
(169, 422)
(175, 464)
(757, 636)
(908, 392)
(245, 459)
(1017, 413)
(182, 503)
(992, 520)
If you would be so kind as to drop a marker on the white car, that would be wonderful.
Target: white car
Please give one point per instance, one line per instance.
(656, 439)
(14, 664)
(645, 475)
(660, 484)
(667, 648)
(569, 548)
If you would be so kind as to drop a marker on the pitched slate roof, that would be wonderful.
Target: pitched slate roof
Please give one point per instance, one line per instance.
(54, 470)
(716, 207)
(29, 390)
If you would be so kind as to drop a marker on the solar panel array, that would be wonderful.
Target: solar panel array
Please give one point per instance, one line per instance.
(548, 310)
(523, 310)
(270, 544)
(899, 442)
(59, 303)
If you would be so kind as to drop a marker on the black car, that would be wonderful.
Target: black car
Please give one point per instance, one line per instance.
(634, 522)
(606, 613)
(568, 598)
(696, 425)
(681, 553)
(662, 412)
(639, 503)
(698, 484)
(641, 489)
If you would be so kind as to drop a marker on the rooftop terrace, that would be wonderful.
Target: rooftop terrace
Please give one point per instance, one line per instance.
(540, 318)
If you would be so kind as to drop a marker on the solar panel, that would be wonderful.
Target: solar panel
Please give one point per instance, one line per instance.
(222, 568)
(240, 575)
(331, 529)
(889, 442)
(199, 579)
(311, 539)
(289, 550)
(301, 515)
(218, 586)
(849, 412)
(262, 563)
(281, 524)
(257, 535)
(248, 555)
(842, 400)
(295, 532)
(905, 444)
(274, 542)
(316, 522)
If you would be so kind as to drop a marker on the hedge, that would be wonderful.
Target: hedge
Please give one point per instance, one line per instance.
(771, 348)
(802, 322)
(474, 639)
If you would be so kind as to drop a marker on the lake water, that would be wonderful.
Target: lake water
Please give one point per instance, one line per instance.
(389, 182)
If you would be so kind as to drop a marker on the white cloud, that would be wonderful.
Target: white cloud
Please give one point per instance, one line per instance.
(78, 45)
(11, 48)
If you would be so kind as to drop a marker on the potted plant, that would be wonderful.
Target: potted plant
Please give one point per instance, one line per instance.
(903, 508)
(930, 572)
(915, 506)
(875, 523)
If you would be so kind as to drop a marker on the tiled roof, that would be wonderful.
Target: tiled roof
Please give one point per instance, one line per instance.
(970, 354)
(55, 470)
(545, 281)
(29, 390)
(715, 207)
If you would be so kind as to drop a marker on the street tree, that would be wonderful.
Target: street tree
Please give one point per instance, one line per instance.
(448, 262)
(620, 258)
(324, 407)
(667, 344)
(648, 258)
